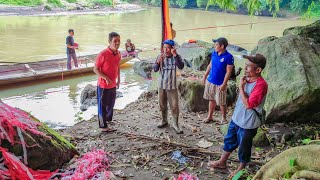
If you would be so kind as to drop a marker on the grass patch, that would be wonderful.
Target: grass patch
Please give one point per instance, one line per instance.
(56, 3)
(72, 1)
(102, 2)
(21, 2)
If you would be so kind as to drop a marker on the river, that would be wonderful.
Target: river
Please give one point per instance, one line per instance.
(27, 39)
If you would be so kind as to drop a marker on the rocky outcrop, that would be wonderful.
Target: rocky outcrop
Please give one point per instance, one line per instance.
(196, 55)
(143, 68)
(292, 72)
(191, 90)
(88, 97)
(309, 31)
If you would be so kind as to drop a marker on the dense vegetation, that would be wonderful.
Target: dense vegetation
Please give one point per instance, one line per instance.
(308, 7)
(55, 3)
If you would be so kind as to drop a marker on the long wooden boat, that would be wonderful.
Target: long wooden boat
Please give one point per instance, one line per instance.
(25, 72)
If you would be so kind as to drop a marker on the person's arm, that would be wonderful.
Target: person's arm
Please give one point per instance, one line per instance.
(118, 82)
(257, 95)
(96, 69)
(226, 78)
(156, 65)
(207, 73)
(69, 44)
(133, 47)
(178, 61)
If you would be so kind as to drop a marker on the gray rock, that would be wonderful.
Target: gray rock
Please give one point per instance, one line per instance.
(88, 97)
(192, 90)
(196, 55)
(261, 139)
(292, 72)
(309, 31)
(143, 68)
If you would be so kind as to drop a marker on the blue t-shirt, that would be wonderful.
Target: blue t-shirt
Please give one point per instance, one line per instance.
(69, 40)
(219, 67)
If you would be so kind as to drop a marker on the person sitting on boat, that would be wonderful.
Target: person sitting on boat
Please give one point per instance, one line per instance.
(107, 67)
(130, 48)
(167, 64)
(173, 32)
(71, 53)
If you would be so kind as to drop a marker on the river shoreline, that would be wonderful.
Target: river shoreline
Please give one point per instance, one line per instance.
(6, 10)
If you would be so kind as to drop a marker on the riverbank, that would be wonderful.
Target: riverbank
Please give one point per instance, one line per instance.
(75, 9)
(142, 151)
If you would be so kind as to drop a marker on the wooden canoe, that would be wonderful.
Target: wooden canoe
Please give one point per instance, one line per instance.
(26, 72)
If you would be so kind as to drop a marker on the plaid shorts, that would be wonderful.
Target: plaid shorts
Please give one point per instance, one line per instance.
(212, 92)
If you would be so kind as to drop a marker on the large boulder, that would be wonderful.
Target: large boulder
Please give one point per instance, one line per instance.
(48, 151)
(196, 55)
(191, 90)
(309, 31)
(292, 72)
(143, 68)
(88, 97)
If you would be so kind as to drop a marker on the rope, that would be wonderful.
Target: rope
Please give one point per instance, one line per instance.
(232, 25)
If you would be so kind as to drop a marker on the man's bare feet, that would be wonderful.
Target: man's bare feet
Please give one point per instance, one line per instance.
(241, 167)
(207, 120)
(234, 173)
(217, 165)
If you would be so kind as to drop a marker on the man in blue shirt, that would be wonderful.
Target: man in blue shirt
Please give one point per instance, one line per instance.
(219, 71)
(71, 53)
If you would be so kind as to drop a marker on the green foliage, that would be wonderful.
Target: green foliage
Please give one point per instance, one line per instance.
(299, 5)
(239, 174)
(223, 4)
(182, 3)
(306, 141)
(56, 3)
(292, 163)
(72, 1)
(102, 2)
(22, 2)
(313, 10)
(202, 3)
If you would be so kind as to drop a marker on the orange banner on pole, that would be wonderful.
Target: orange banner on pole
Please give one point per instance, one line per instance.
(166, 28)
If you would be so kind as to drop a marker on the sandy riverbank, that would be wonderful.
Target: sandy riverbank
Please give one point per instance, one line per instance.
(6, 10)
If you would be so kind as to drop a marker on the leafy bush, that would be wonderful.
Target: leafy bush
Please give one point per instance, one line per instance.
(103, 2)
(56, 3)
(182, 3)
(22, 2)
(72, 1)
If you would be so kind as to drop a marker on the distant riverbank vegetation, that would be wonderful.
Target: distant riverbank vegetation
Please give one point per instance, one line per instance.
(308, 8)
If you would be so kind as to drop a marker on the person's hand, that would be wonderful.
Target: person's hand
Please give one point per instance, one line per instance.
(174, 52)
(161, 58)
(223, 87)
(118, 84)
(107, 80)
(243, 82)
(204, 79)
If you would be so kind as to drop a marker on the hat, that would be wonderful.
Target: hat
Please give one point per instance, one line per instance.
(221, 41)
(169, 41)
(257, 59)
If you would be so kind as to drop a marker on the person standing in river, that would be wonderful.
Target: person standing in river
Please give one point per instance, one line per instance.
(107, 67)
(71, 53)
(219, 71)
(167, 64)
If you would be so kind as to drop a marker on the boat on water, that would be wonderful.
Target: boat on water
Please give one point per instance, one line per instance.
(48, 69)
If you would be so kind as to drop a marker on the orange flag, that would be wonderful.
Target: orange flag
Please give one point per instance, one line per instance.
(166, 28)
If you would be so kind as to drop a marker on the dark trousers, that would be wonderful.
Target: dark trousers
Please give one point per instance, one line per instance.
(239, 137)
(106, 100)
(69, 57)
